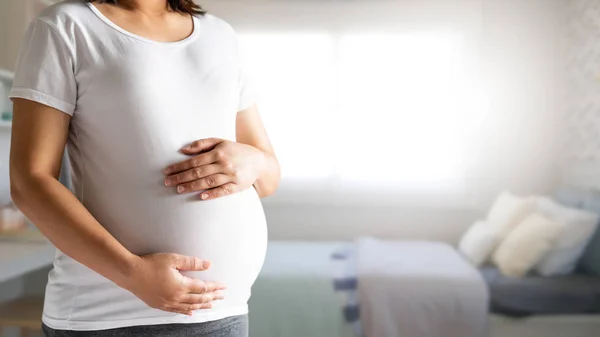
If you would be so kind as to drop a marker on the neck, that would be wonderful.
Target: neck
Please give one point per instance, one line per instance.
(146, 6)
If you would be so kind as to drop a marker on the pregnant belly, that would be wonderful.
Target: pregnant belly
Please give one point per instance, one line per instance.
(230, 232)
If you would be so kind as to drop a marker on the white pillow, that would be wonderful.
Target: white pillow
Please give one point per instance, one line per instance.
(577, 227)
(525, 246)
(478, 243)
(508, 211)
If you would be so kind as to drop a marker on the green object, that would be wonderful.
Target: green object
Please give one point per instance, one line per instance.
(294, 295)
(7, 116)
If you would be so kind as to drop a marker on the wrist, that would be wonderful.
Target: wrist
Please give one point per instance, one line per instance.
(128, 268)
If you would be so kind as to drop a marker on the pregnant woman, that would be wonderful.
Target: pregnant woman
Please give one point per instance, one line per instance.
(164, 234)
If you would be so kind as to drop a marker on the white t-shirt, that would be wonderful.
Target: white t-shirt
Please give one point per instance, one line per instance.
(134, 103)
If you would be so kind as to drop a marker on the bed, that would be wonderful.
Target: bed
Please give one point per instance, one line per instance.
(537, 295)
(308, 289)
(294, 295)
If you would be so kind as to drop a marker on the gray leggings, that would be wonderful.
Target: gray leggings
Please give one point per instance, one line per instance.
(229, 327)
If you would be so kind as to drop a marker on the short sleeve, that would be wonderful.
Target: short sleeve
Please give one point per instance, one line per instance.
(45, 69)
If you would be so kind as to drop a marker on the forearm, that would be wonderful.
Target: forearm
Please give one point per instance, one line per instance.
(70, 227)
(270, 176)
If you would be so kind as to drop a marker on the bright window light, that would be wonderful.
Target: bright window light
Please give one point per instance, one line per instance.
(405, 108)
(399, 109)
(294, 75)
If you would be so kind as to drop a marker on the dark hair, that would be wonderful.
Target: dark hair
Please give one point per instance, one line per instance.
(181, 6)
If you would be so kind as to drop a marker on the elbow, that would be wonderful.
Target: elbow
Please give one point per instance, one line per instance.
(268, 186)
(17, 190)
(22, 185)
(264, 191)
(275, 185)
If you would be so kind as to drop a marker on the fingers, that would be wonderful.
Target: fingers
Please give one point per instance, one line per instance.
(193, 174)
(197, 161)
(182, 262)
(202, 145)
(204, 183)
(188, 308)
(221, 191)
(202, 298)
(187, 313)
(201, 287)
(191, 302)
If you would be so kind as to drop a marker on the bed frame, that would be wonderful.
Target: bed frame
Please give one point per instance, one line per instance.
(545, 326)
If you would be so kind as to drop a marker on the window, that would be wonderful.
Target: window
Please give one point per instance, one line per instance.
(367, 108)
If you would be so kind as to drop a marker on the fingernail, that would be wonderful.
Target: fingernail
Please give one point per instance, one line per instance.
(168, 183)
(204, 196)
(166, 171)
(180, 189)
(187, 148)
(205, 264)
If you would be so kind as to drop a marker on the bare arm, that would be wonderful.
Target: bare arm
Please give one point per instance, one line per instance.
(251, 131)
(39, 135)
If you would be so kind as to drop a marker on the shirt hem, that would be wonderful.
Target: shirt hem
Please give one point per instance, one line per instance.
(40, 97)
(246, 105)
(198, 317)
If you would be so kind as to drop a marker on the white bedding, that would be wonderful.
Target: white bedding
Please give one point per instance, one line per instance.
(419, 289)
(293, 297)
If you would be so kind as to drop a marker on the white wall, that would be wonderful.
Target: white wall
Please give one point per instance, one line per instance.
(524, 55)
(581, 164)
(348, 15)
(328, 222)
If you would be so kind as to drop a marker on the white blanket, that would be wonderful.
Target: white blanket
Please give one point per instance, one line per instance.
(419, 289)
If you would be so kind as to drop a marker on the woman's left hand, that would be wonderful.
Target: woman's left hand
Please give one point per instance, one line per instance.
(218, 168)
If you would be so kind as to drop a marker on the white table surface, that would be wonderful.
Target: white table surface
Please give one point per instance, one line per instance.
(19, 258)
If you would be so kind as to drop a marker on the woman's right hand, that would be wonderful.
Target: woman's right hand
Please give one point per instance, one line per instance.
(156, 280)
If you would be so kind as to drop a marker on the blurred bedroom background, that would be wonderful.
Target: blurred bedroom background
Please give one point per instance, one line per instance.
(423, 134)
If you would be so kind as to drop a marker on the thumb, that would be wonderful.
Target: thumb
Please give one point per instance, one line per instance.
(202, 145)
(190, 263)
